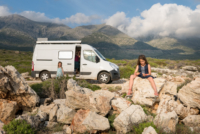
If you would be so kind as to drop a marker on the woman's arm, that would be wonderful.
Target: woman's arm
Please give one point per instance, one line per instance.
(136, 70)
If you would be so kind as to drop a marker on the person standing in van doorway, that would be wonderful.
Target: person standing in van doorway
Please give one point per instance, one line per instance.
(60, 72)
(77, 61)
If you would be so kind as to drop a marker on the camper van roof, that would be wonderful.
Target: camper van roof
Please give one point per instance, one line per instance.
(59, 42)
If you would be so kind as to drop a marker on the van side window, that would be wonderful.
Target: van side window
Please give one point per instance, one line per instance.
(89, 55)
(65, 55)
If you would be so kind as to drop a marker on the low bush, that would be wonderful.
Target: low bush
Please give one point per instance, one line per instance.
(85, 84)
(126, 72)
(18, 127)
(138, 129)
(111, 119)
(124, 95)
(182, 129)
(55, 88)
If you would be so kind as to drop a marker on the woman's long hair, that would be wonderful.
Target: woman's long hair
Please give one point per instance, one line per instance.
(58, 64)
(143, 58)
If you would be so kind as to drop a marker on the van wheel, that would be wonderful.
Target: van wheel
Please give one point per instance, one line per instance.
(104, 77)
(44, 75)
(110, 81)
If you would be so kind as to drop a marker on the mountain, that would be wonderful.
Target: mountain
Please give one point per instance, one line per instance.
(20, 33)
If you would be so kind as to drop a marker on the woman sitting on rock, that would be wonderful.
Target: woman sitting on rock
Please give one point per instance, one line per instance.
(142, 70)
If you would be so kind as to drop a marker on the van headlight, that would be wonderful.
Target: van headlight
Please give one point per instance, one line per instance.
(114, 66)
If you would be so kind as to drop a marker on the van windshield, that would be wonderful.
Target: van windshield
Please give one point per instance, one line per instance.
(102, 57)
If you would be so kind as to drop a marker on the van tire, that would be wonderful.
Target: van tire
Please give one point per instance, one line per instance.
(104, 77)
(44, 75)
(110, 81)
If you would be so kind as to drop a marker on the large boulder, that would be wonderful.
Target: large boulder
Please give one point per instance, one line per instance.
(133, 115)
(192, 121)
(72, 85)
(190, 68)
(53, 113)
(120, 104)
(67, 129)
(98, 101)
(65, 114)
(190, 94)
(7, 110)
(167, 104)
(14, 88)
(149, 130)
(143, 92)
(43, 116)
(59, 101)
(46, 109)
(170, 89)
(166, 121)
(88, 121)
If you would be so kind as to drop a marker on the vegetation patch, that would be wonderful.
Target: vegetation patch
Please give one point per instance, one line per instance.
(18, 127)
(124, 95)
(85, 84)
(55, 88)
(138, 129)
(111, 119)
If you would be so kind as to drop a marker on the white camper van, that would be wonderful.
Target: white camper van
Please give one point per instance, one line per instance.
(93, 64)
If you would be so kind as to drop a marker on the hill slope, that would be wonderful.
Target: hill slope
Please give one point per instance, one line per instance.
(17, 32)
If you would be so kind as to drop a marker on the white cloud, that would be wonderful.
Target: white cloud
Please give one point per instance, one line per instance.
(160, 20)
(118, 20)
(36, 16)
(4, 11)
(78, 18)
(81, 18)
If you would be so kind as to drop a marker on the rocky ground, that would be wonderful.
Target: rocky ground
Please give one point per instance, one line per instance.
(86, 111)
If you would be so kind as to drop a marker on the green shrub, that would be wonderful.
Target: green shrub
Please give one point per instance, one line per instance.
(55, 88)
(37, 87)
(18, 127)
(58, 127)
(138, 129)
(182, 129)
(85, 84)
(126, 72)
(111, 119)
(124, 95)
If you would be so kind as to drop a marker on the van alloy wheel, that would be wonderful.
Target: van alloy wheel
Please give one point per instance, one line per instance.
(104, 77)
(44, 75)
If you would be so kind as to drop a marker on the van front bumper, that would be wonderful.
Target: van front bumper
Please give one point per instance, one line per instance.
(115, 75)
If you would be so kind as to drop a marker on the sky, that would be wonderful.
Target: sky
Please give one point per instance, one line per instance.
(180, 18)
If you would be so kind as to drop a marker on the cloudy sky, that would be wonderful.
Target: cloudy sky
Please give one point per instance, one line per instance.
(179, 18)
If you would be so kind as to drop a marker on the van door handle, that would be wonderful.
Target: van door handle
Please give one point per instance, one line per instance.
(68, 63)
(84, 64)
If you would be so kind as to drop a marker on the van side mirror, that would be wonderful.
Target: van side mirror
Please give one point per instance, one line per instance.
(97, 59)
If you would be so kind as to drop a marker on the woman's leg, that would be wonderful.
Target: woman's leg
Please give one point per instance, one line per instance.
(132, 77)
(153, 85)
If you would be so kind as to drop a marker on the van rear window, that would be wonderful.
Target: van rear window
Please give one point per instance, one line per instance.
(65, 55)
